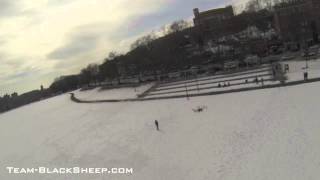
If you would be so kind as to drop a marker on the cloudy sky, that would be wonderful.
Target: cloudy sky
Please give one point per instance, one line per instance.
(43, 39)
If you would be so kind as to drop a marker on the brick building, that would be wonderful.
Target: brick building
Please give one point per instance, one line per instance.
(212, 23)
(298, 20)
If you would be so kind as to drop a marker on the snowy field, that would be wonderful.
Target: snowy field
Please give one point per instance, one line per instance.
(271, 134)
(211, 88)
(213, 79)
(265, 68)
(297, 68)
(119, 93)
(210, 83)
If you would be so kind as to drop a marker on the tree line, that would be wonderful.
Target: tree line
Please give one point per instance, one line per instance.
(148, 55)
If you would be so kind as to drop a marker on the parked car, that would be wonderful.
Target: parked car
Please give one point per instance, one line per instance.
(308, 54)
(287, 57)
(311, 51)
(271, 59)
(276, 50)
(251, 60)
(231, 65)
(174, 75)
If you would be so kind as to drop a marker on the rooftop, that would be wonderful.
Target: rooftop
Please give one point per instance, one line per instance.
(215, 11)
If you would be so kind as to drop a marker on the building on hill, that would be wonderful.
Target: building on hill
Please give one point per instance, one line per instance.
(212, 23)
(298, 20)
(213, 16)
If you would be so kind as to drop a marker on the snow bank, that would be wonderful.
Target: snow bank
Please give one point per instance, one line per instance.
(118, 93)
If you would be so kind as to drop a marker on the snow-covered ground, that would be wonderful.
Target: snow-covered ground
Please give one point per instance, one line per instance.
(213, 80)
(194, 90)
(255, 135)
(118, 93)
(297, 68)
(210, 83)
(265, 68)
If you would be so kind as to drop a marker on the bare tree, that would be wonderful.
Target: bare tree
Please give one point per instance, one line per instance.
(178, 26)
(112, 55)
(143, 41)
(90, 73)
(254, 5)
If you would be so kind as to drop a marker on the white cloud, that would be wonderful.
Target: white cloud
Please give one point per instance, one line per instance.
(78, 31)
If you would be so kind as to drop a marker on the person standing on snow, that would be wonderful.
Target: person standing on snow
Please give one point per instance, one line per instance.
(157, 124)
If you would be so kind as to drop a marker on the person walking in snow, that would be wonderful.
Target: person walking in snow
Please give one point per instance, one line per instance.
(287, 68)
(256, 80)
(157, 124)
